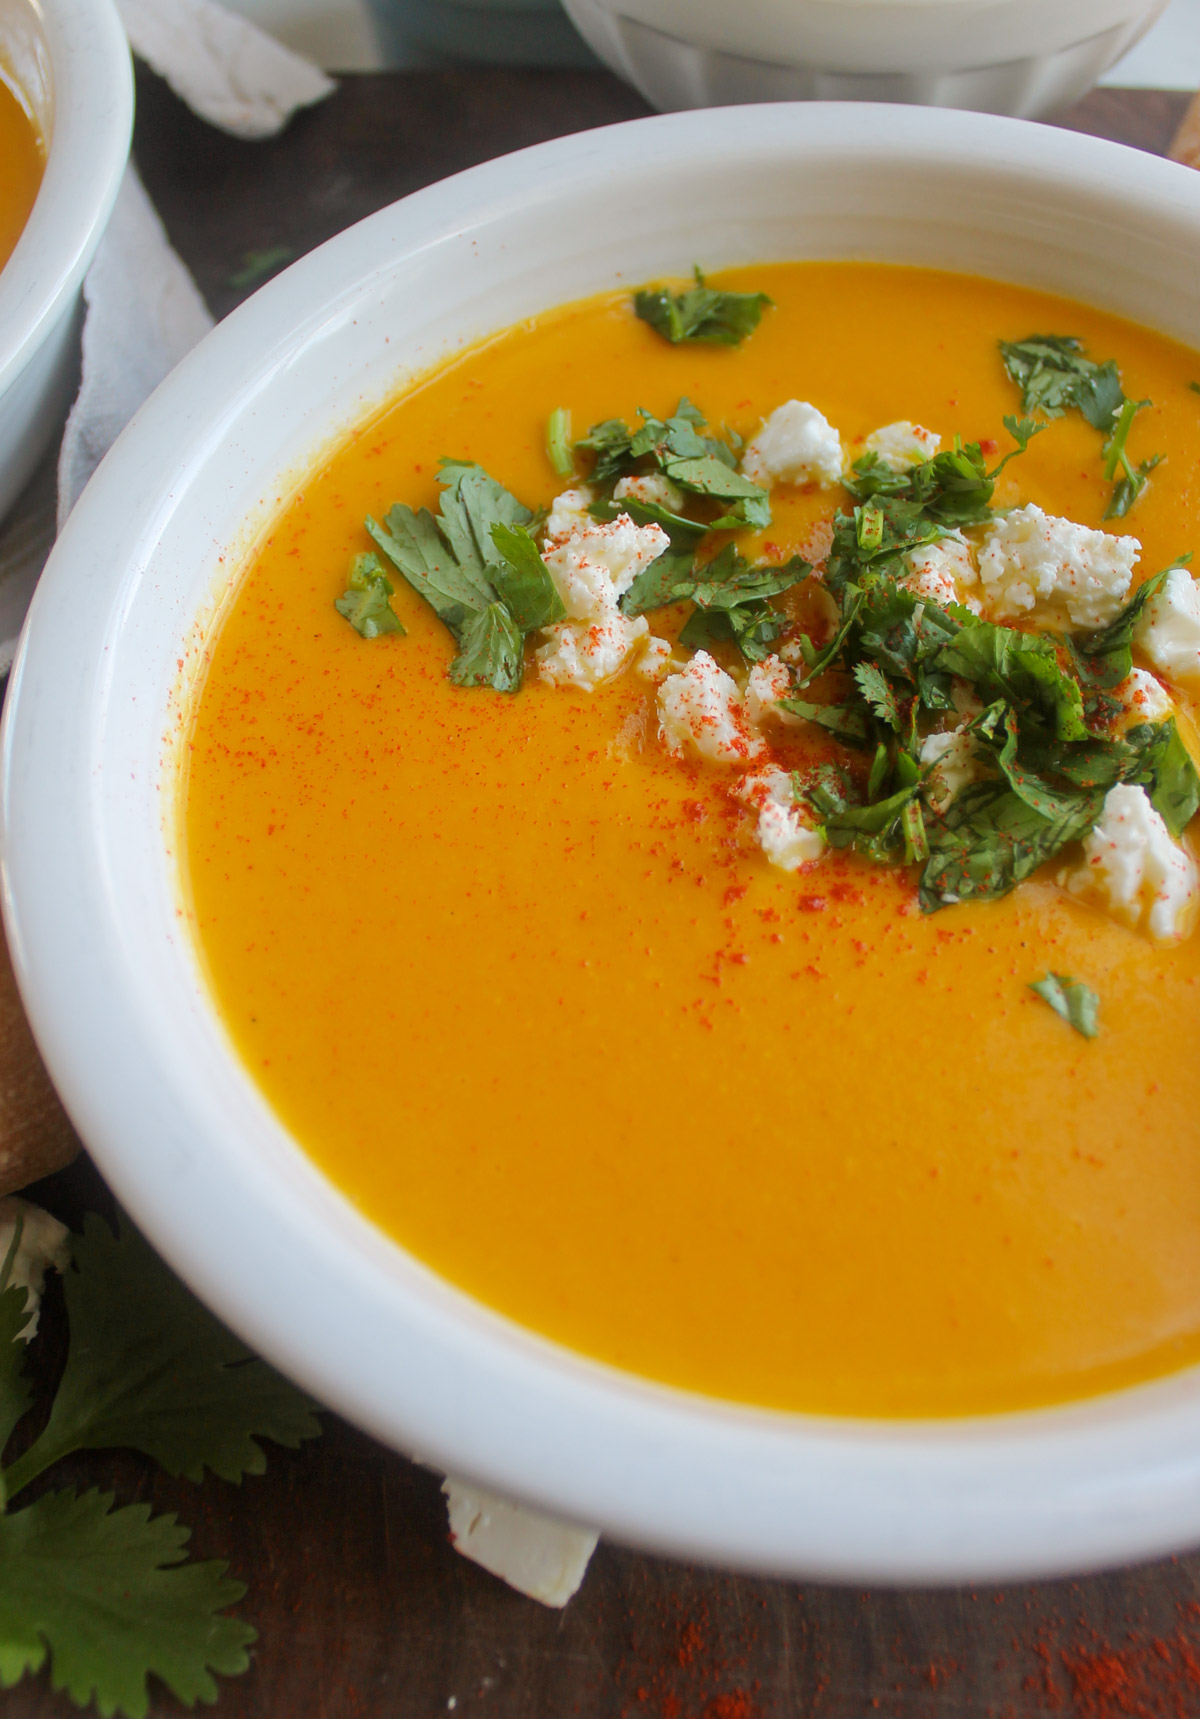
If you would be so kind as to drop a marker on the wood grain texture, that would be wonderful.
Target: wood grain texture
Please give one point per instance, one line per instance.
(363, 1609)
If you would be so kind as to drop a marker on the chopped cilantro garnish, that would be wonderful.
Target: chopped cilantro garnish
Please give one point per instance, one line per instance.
(1078, 1005)
(478, 569)
(558, 441)
(699, 465)
(701, 313)
(1055, 375)
(364, 603)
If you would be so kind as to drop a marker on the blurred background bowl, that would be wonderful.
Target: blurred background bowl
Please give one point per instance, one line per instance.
(70, 61)
(1019, 57)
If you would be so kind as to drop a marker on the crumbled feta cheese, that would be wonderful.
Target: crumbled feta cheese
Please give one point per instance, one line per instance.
(44, 1244)
(1034, 563)
(585, 654)
(939, 571)
(956, 764)
(1131, 863)
(964, 698)
(534, 1554)
(569, 514)
(701, 707)
(655, 661)
(1169, 628)
(1145, 698)
(598, 564)
(783, 832)
(769, 682)
(902, 445)
(653, 490)
(796, 444)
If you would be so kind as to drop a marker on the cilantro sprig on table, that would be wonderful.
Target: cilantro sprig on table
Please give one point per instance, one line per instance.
(701, 314)
(1055, 376)
(104, 1592)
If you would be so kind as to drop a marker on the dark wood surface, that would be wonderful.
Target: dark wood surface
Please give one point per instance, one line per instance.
(363, 1609)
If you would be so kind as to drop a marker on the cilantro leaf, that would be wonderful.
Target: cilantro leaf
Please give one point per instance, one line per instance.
(877, 690)
(490, 651)
(364, 603)
(1108, 652)
(452, 562)
(150, 1369)
(523, 580)
(684, 533)
(1078, 1005)
(847, 720)
(16, 1393)
(710, 476)
(655, 586)
(1020, 668)
(701, 313)
(1055, 375)
(106, 1593)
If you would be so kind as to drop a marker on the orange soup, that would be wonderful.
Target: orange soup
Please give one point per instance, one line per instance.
(21, 161)
(525, 983)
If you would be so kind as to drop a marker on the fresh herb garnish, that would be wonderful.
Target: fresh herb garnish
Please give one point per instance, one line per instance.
(558, 441)
(479, 570)
(104, 1592)
(1078, 1005)
(1055, 376)
(364, 602)
(701, 313)
(703, 466)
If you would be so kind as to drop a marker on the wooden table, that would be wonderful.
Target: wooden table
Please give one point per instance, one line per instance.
(364, 1610)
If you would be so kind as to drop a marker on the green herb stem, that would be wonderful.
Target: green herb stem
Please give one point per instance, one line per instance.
(559, 451)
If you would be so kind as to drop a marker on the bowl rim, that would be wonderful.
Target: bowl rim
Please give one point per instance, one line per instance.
(991, 1497)
(92, 98)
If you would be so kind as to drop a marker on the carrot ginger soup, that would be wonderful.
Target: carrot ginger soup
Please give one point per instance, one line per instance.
(687, 824)
(21, 162)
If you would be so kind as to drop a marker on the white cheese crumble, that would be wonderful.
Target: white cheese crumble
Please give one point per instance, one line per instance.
(44, 1245)
(1145, 698)
(594, 567)
(655, 489)
(655, 661)
(956, 765)
(535, 1554)
(569, 514)
(796, 444)
(1032, 563)
(1169, 628)
(903, 445)
(940, 572)
(769, 682)
(701, 707)
(782, 832)
(584, 654)
(1133, 866)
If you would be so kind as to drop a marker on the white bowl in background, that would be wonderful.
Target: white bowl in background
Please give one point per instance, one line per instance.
(92, 895)
(71, 61)
(1021, 57)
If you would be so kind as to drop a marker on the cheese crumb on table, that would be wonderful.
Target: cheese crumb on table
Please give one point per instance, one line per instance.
(45, 1245)
(1134, 868)
(783, 832)
(538, 1555)
(701, 707)
(769, 682)
(796, 444)
(1033, 563)
(902, 445)
(1169, 629)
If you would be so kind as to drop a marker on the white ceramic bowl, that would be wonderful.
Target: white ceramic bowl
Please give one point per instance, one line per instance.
(1022, 57)
(71, 60)
(92, 900)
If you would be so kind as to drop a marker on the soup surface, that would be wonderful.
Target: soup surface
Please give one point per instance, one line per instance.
(521, 984)
(21, 162)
